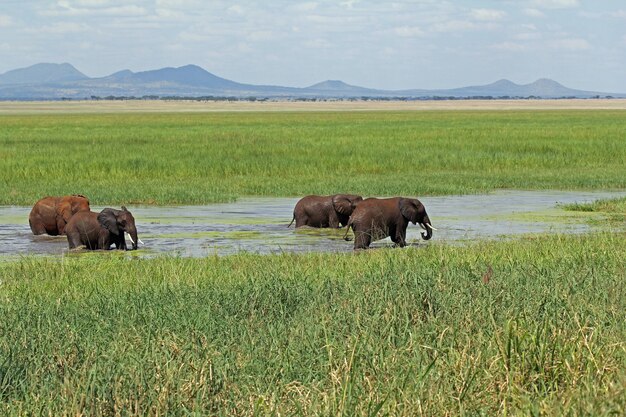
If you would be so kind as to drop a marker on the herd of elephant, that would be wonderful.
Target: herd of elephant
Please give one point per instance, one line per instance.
(370, 219)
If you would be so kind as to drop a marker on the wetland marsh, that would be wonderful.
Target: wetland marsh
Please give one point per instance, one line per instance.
(524, 317)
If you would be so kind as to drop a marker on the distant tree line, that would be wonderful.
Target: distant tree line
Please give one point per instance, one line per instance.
(323, 99)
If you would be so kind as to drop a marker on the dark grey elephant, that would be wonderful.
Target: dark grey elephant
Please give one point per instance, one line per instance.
(325, 211)
(101, 230)
(376, 218)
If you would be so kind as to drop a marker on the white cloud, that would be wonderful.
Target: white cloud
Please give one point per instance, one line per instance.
(528, 36)
(305, 7)
(454, 26)
(5, 21)
(555, 4)
(619, 14)
(533, 13)
(236, 9)
(63, 27)
(570, 44)
(67, 8)
(261, 35)
(409, 31)
(349, 4)
(487, 14)
(509, 46)
(317, 43)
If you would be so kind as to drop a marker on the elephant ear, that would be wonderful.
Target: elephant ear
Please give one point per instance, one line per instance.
(409, 209)
(108, 219)
(342, 204)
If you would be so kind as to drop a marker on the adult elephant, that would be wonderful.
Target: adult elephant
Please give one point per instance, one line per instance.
(325, 211)
(101, 230)
(51, 214)
(376, 218)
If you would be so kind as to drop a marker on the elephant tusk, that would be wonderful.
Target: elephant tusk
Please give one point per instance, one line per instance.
(130, 237)
(140, 241)
(428, 224)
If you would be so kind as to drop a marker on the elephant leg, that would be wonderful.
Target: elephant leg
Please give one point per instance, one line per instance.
(362, 239)
(37, 227)
(398, 238)
(61, 225)
(73, 239)
(333, 220)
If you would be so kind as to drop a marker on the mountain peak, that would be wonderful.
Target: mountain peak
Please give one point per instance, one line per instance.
(43, 73)
(336, 85)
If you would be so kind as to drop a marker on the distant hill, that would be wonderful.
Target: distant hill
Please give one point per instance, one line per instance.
(42, 74)
(56, 81)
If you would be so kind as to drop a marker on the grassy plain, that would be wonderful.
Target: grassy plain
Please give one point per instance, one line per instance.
(527, 327)
(532, 327)
(196, 158)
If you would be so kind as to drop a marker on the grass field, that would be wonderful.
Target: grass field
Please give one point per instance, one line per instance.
(196, 158)
(532, 327)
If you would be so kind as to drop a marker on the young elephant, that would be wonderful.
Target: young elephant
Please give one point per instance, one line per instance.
(101, 230)
(51, 214)
(375, 219)
(325, 211)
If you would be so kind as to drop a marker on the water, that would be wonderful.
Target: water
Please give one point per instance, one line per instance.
(259, 225)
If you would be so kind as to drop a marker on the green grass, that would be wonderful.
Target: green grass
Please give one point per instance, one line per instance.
(613, 211)
(533, 327)
(210, 157)
(612, 205)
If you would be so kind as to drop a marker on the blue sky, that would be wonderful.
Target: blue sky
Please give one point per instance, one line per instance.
(379, 44)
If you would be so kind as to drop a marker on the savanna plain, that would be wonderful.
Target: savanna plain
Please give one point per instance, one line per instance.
(527, 326)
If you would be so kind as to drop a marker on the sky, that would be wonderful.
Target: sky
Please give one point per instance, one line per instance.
(399, 44)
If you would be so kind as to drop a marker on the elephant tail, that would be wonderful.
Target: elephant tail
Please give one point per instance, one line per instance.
(292, 219)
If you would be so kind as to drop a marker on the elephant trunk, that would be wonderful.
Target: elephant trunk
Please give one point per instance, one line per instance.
(428, 227)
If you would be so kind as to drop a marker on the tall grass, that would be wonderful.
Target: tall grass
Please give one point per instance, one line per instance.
(534, 327)
(202, 158)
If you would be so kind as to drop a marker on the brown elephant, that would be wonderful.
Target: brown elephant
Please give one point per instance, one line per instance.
(51, 214)
(325, 211)
(376, 218)
(101, 230)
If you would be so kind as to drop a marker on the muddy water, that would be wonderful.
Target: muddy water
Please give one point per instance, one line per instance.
(259, 225)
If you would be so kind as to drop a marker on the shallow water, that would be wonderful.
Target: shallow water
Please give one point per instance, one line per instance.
(259, 225)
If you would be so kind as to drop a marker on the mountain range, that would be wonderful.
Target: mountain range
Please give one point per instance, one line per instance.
(64, 81)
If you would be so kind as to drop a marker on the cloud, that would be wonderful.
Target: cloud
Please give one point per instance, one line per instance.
(94, 8)
(236, 9)
(509, 46)
(409, 31)
(305, 7)
(575, 44)
(261, 35)
(453, 26)
(555, 4)
(317, 43)
(5, 21)
(528, 36)
(534, 13)
(619, 14)
(63, 27)
(487, 14)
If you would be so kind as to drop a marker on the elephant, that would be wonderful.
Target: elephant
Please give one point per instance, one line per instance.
(101, 230)
(51, 214)
(376, 218)
(324, 211)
